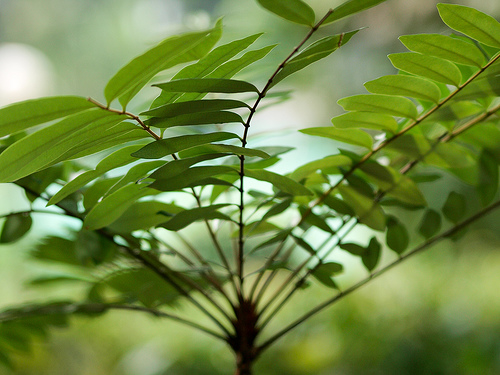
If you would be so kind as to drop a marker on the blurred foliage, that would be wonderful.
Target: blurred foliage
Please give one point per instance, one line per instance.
(437, 314)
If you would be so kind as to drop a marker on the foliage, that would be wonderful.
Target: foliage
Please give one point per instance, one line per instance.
(171, 170)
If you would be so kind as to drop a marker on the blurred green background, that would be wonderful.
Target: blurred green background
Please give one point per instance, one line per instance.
(438, 313)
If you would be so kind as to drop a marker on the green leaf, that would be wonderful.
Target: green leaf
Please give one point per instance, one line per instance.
(95, 192)
(353, 248)
(325, 271)
(456, 111)
(205, 85)
(143, 215)
(114, 205)
(205, 66)
(187, 217)
(134, 174)
(350, 7)
(20, 116)
(279, 237)
(183, 108)
(430, 224)
(404, 85)
(480, 88)
(325, 164)
(351, 136)
(394, 183)
(339, 206)
(316, 51)
(197, 118)
(368, 211)
(488, 178)
(92, 249)
(397, 237)
(454, 208)
(117, 159)
(471, 22)
(168, 146)
(366, 120)
(292, 10)
(431, 67)
(444, 47)
(282, 183)
(372, 255)
(224, 149)
(315, 220)
(172, 51)
(191, 177)
(15, 227)
(45, 146)
(391, 105)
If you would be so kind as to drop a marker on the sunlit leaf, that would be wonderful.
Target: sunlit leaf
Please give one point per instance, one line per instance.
(41, 148)
(430, 224)
(114, 205)
(366, 120)
(431, 67)
(471, 22)
(350, 7)
(444, 47)
(282, 183)
(454, 208)
(387, 104)
(368, 211)
(24, 115)
(405, 85)
(292, 10)
(187, 217)
(15, 227)
(397, 237)
(170, 52)
(168, 146)
(351, 136)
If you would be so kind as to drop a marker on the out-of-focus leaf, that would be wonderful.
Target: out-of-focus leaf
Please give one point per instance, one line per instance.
(204, 85)
(367, 120)
(315, 220)
(351, 136)
(92, 249)
(405, 85)
(454, 208)
(196, 118)
(456, 111)
(17, 117)
(339, 206)
(316, 51)
(187, 217)
(368, 211)
(430, 224)
(172, 51)
(488, 178)
(486, 135)
(397, 237)
(168, 146)
(444, 47)
(282, 183)
(350, 7)
(471, 22)
(42, 147)
(326, 164)
(480, 88)
(292, 10)
(378, 103)
(15, 227)
(372, 255)
(325, 271)
(279, 237)
(431, 67)
(143, 215)
(114, 205)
